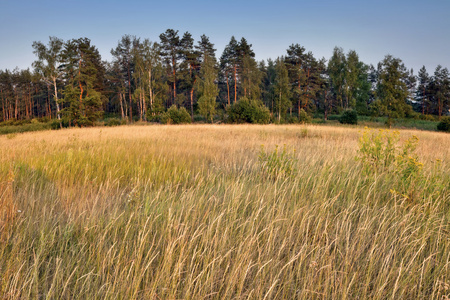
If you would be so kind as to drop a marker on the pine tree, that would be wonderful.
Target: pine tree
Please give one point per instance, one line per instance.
(171, 52)
(229, 65)
(205, 47)
(123, 57)
(304, 75)
(423, 89)
(83, 101)
(441, 84)
(190, 68)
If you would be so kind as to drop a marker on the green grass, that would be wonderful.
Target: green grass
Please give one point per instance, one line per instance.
(10, 129)
(399, 123)
(200, 212)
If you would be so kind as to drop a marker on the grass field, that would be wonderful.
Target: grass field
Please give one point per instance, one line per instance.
(221, 212)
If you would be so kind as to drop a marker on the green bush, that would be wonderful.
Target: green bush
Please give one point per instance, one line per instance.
(290, 120)
(277, 163)
(444, 124)
(427, 117)
(24, 128)
(380, 152)
(248, 111)
(114, 122)
(58, 124)
(14, 122)
(349, 117)
(43, 119)
(175, 116)
(333, 117)
(303, 117)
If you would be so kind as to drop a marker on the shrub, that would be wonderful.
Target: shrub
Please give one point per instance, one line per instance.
(303, 116)
(277, 163)
(380, 152)
(58, 124)
(427, 117)
(444, 124)
(44, 119)
(333, 117)
(175, 116)
(24, 128)
(114, 122)
(248, 111)
(349, 117)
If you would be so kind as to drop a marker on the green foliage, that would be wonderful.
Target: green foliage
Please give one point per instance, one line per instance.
(349, 116)
(11, 129)
(426, 117)
(207, 89)
(281, 88)
(83, 101)
(114, 122)
(377, 149)
(304, 117)
(277, 163)
(175, 116)
(392, 90)
(444, 124)
(58, 124)
(333, 117)
(380, 153)
(248, 111)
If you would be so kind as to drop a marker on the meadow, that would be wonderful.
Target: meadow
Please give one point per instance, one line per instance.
(225, 212)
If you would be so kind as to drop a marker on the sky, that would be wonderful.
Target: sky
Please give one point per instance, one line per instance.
(417, 32)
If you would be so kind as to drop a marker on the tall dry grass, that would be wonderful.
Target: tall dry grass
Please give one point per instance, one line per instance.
(191, 212)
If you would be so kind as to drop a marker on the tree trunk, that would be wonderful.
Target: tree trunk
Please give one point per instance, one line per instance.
(279, 110)
(174, 82)
(56, 99)
(299, 94)
(439, 107)
(30, 104)
(129, 93)
(145, 107)
(121, 105)
(48, 109)
(3, 106)
(82, 111)
(150, 89)
(192, 102)
(16, 105)
(423, 102)
(235, 84)
(228, 89)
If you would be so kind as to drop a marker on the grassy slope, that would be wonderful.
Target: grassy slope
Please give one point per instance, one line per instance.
(169, 212)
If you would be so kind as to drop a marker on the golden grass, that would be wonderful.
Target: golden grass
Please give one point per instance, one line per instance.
(189, 212)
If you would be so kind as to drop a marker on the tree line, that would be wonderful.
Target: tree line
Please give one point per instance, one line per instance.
(69, 80)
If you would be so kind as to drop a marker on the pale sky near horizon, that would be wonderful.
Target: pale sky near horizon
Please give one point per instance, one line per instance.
(418, 32)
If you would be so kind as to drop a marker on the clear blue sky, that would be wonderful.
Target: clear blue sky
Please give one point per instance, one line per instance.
(418, 32)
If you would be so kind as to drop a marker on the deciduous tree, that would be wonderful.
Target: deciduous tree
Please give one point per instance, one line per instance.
(282, 93)
(392, 90)
(48, 63)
